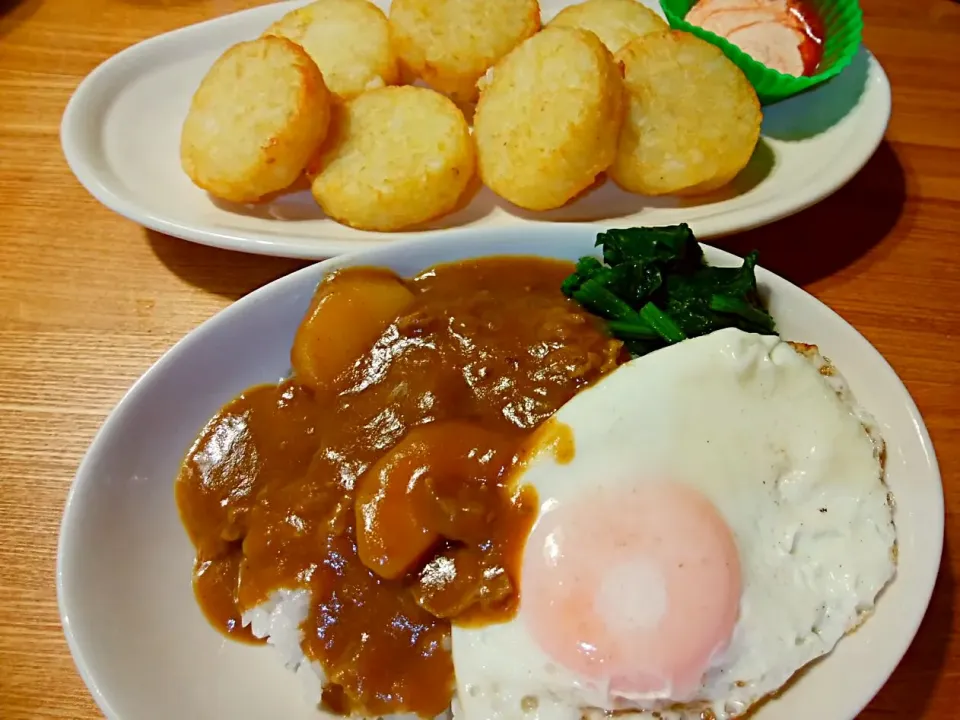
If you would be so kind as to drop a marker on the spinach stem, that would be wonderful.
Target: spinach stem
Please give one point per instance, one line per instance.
(602, 301)
(632, 330)
(736, 306)
(662, 323)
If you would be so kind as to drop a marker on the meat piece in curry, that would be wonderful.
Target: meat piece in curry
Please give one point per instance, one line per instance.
(378, 475)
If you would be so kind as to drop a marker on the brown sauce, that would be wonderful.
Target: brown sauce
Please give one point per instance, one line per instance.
(379, 476)
(554, 437)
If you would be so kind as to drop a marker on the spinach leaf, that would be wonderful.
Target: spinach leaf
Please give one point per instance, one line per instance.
(654, 288)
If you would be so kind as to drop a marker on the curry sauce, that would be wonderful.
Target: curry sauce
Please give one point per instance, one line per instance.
(379, 475)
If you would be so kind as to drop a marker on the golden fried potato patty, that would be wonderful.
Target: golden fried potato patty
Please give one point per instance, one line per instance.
(349, 40)
(452, 43)
(548, 119)
(395, 157)
(258, 116)
(693, 119)
(615, 22)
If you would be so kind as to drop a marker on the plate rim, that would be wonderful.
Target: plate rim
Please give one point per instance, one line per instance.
(78, 154)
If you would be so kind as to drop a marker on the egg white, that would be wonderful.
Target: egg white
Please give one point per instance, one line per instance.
(774, 440)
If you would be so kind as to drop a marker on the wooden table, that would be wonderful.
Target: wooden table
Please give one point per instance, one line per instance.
(89, 300)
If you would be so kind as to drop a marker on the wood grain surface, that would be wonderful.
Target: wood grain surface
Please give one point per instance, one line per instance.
(89, 300)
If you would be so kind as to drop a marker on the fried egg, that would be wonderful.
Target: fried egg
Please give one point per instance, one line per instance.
(718, 520)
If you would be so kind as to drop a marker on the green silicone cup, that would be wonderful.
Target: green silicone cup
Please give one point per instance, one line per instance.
(843, 32)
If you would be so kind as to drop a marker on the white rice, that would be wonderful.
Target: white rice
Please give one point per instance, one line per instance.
(278, 621)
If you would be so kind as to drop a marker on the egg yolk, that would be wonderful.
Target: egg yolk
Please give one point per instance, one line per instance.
(634, 590)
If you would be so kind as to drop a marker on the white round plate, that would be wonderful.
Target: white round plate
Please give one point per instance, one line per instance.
(121, 136)
(124, 564)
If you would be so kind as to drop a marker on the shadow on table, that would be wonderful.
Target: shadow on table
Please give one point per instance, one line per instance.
(14, 12)
(229, 274)
(836, 232)
(908, 691)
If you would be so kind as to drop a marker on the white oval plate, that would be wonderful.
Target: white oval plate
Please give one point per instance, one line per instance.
(121, 135)
(124, 563)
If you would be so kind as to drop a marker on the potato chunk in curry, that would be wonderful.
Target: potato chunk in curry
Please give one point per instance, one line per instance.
(348, 313)
(444, 480)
